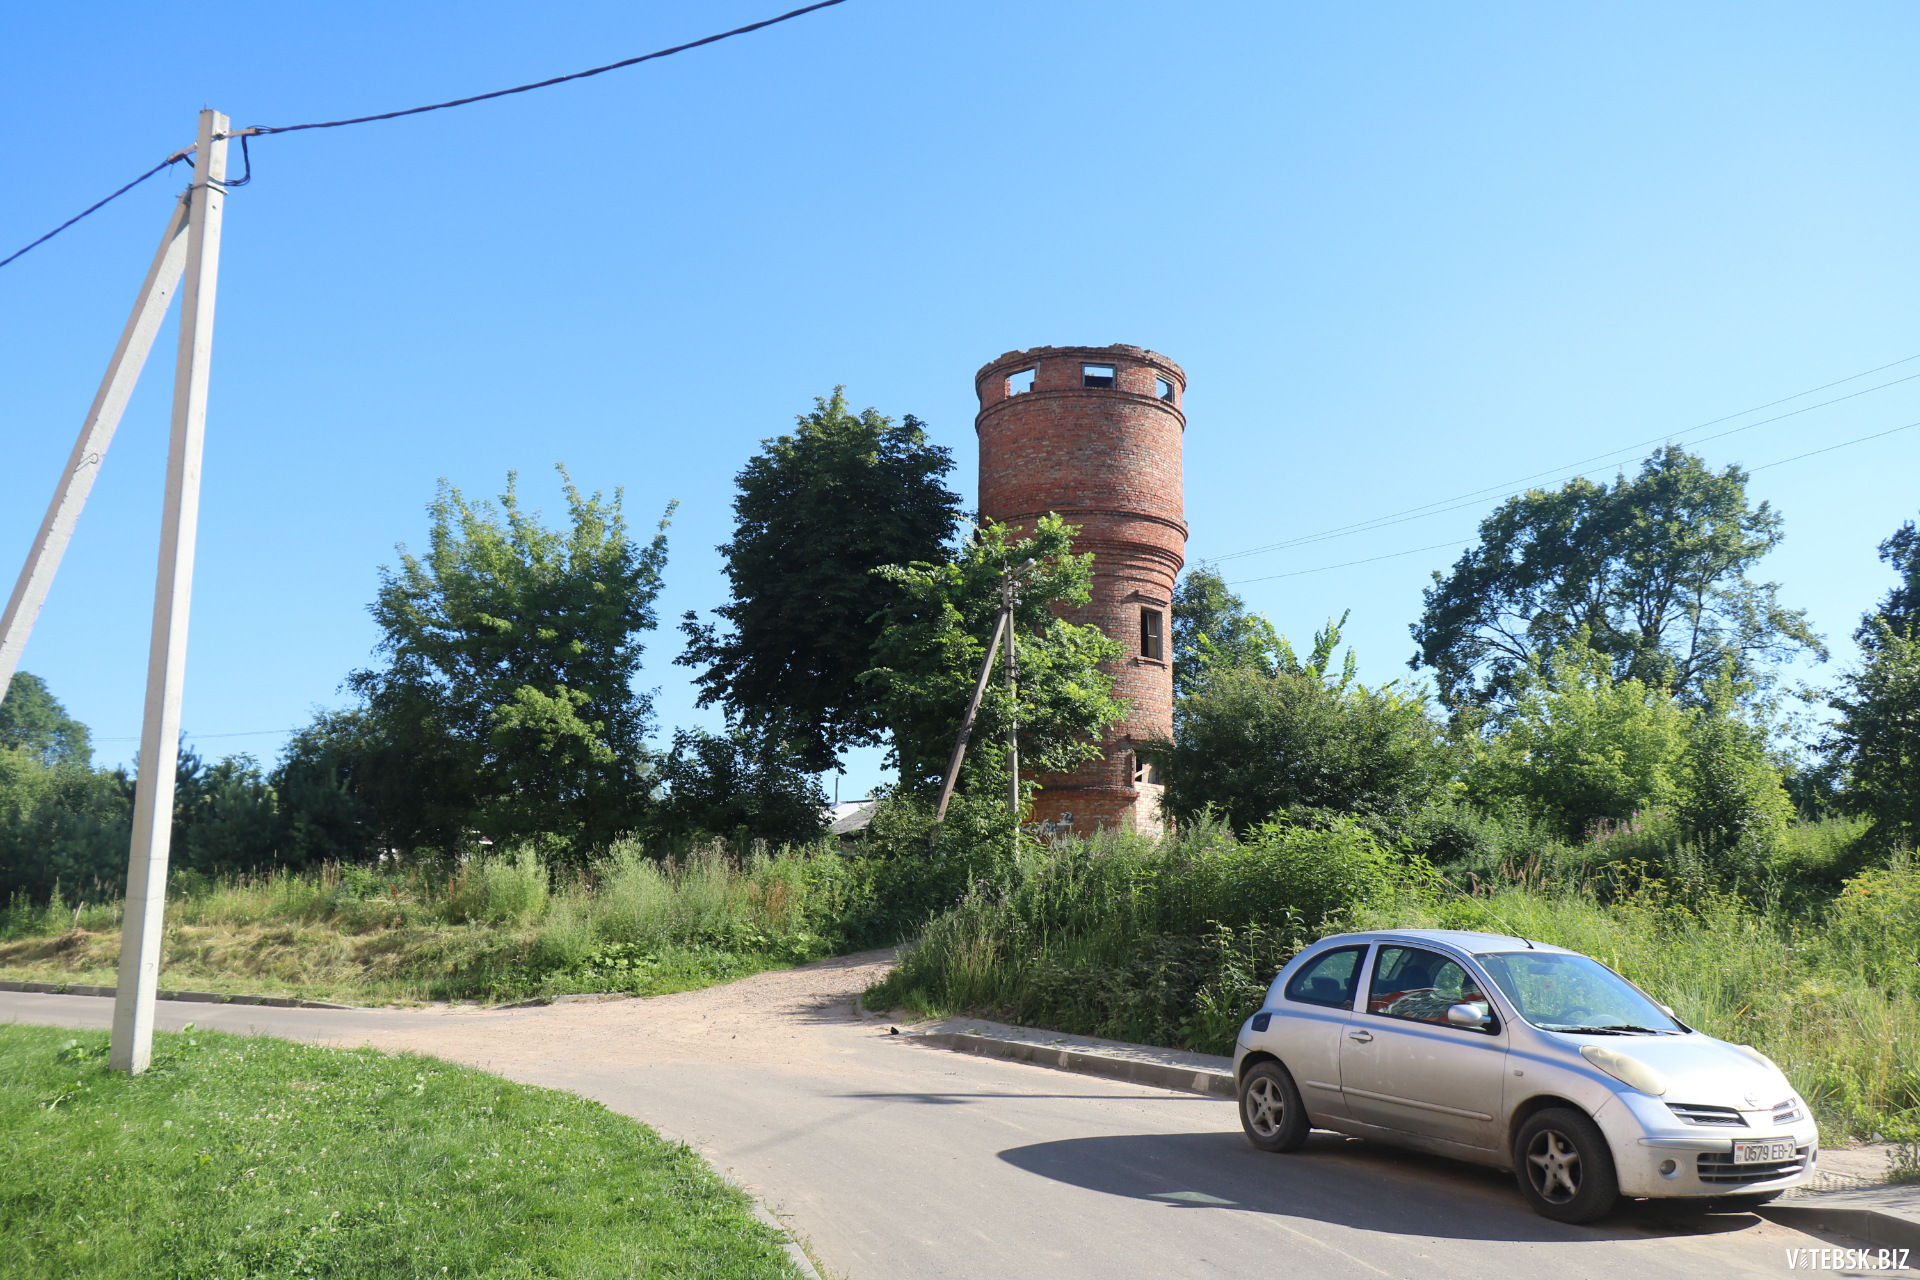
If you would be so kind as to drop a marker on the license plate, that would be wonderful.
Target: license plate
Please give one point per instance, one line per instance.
(1762, 1152)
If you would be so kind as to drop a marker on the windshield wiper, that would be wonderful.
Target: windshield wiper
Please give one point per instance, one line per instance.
(1613, 1029)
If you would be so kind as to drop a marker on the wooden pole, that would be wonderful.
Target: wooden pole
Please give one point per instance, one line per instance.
(1008, 587)
(145, 919)
(966, 724)
(96, 433)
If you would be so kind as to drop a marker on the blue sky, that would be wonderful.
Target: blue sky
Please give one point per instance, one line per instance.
(1405, 252)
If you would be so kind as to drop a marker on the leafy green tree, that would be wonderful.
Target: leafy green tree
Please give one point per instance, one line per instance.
(934, 637)
(817, 512)
(1653, 571)
(1270, 734)
(1877, 737)
(65, 825)
(1581, 746)
(32, 720)
(734, 783)
(1900, 611)
(227, 817)
(334, 779)
(1211, 626)
(508, 696)
(1731, 801)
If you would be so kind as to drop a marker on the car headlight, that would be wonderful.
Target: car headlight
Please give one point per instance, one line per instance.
(1629, 1071)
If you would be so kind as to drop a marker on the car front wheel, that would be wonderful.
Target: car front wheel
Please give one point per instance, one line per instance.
(1564, 1166)
(1270, 1108)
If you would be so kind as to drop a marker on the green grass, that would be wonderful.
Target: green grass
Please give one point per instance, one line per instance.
(498, 929)
(238, 1157)
(1175, 943)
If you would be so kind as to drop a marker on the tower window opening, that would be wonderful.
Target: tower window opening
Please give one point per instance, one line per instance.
(1144, 771)
(1150, 644)
(1096, 375)
(1020, 382)
(1163, 389)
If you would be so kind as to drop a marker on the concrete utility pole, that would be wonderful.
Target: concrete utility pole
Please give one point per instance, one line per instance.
(145, 920)
(96, 433)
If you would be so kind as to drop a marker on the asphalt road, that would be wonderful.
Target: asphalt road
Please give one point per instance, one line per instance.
(897, 1161)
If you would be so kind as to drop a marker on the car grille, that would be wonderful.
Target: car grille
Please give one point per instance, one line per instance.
(1718, 1167)
(1693, 1114)
(1786, 1112)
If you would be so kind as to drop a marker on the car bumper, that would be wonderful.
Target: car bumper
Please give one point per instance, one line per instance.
(1660, 1163)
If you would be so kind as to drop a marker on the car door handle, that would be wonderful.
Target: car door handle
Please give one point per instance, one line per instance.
(1362, 1036)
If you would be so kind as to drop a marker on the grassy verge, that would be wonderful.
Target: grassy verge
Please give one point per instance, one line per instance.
(498, 929)
(254, 1157)
(1174, 943)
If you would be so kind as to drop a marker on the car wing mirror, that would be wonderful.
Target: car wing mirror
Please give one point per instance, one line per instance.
(1668, 1010)
(1470, 1016)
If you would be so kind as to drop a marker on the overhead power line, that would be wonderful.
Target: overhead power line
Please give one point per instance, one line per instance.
(542, 84)
(1441, 506)
(1461, 542)
(175, 158)
(261, 130)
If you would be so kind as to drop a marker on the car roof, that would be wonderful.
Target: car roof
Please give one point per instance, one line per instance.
(1458, 939)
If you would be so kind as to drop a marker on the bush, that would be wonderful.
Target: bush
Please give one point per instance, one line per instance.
(502, 889)
(1875, 924)
(1249, 743)
(1168, 942)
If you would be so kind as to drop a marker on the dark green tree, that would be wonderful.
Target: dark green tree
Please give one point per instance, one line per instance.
(1900, 611)
(935, 635)
(1876, 739)
(227, 817)
(1252, 740)
(1731, 803)
(1211, 626)
(735, 784)
(508, 702)
(32, 720)
(68, 825)
(334, 779)
(1653, 570)
(816, 513)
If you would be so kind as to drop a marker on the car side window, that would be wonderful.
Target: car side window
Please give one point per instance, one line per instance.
(1328, 979)
(1421, 986)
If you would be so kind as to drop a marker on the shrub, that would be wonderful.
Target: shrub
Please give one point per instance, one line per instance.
(499, 889)
(1164, 942)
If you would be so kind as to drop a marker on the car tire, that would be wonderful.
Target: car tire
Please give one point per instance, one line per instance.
(1564, 1166)
(1270, 1108)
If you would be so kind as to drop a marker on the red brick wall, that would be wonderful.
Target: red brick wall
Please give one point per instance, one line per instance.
(1107, 460)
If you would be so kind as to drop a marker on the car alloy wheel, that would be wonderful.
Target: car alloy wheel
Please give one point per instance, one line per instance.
(1564, 1166)
(1271, 1112)
(1553, 1166)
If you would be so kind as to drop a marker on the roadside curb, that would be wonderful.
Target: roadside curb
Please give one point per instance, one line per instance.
(1160, 1075)
(1863, 1222)
(192, 997)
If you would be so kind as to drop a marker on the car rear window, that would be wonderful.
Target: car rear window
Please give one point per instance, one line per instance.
(1328, 978)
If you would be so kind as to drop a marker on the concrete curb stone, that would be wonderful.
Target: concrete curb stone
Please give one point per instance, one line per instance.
(1134, 1071)
(191, 997)
(1884, 1217)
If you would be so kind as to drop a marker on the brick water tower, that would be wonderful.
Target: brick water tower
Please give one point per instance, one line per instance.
(1094, 434)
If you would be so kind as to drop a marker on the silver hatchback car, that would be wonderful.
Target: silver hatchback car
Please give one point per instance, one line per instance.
(1522, 1056)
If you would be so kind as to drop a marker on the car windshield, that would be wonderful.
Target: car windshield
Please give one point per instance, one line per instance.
(1558, 992)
